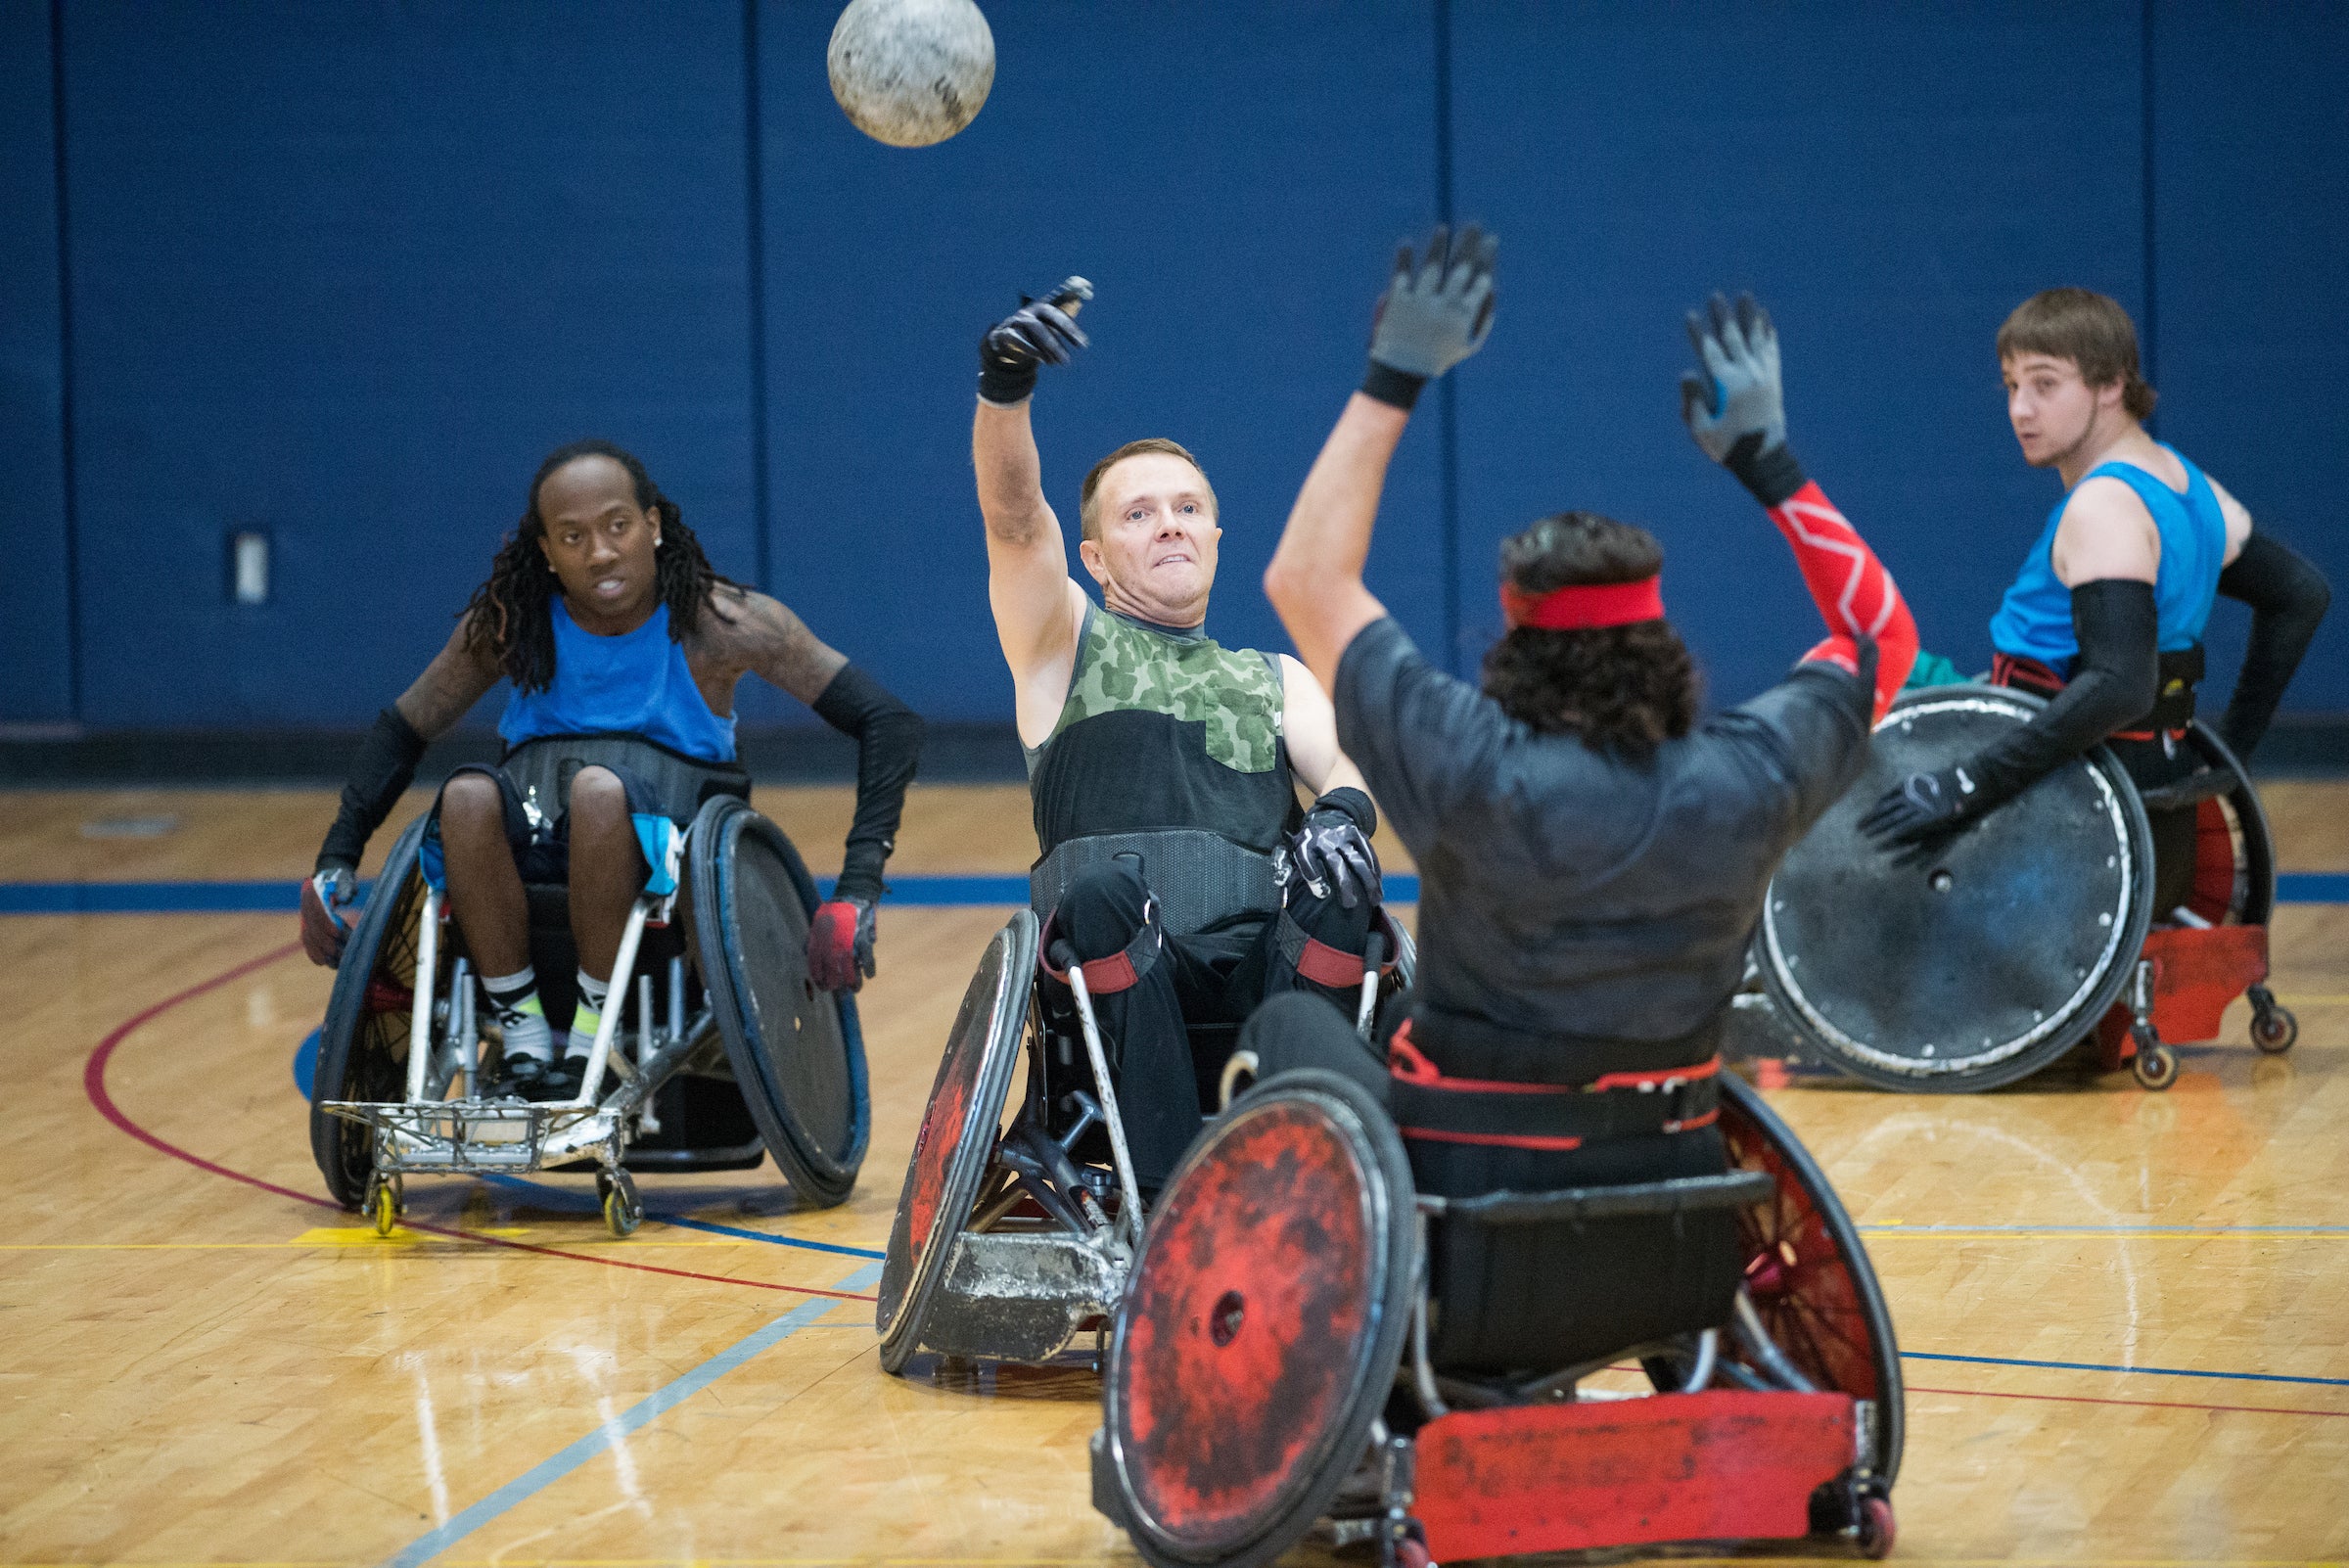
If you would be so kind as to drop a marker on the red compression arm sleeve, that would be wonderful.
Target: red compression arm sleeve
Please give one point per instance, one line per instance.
(1851, 589)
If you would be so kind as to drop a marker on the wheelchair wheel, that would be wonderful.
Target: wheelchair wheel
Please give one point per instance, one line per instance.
(957, 1137)
(1261, 1328)
(797, 1052)
(363, 1046)
(1808, 1275)
(2234, 854)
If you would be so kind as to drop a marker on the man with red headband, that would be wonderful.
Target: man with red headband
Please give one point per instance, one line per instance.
(1592, 857)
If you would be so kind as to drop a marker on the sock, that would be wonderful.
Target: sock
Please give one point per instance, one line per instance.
(514, 1001)
(590, 1015)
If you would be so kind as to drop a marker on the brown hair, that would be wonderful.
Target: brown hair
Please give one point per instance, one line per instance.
(1622, 688)
(1087, 522)
(2087, 328)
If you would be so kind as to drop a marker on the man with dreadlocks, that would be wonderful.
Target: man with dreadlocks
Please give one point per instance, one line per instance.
(623, 643)
(1592, 857)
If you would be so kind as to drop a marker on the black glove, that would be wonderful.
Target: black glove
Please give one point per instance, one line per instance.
(1040, 332)
(1332, 849)
(1925, 808)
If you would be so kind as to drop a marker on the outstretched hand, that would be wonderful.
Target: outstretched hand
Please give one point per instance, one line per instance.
(324, 932)
(1332, 853)
(1924, 810)
(1438, 308)
(1042, 332)
(1738, 399)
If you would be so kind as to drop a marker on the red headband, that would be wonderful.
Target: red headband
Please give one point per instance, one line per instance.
(1582, 606)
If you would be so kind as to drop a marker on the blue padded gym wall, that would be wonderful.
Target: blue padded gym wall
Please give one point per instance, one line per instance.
(36, 635)
(341, 274)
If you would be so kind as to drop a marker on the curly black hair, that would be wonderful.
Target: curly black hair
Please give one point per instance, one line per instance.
(1626, 689)
(511, 618)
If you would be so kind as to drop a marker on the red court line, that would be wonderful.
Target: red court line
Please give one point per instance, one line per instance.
(93, 1082)
(2158, 1405)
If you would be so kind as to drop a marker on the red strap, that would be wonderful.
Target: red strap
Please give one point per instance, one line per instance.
(1851, 589)
(1405, 1061)
(1584, 606)
(1497, 1140)
(1663, 1078)
(1106, 977)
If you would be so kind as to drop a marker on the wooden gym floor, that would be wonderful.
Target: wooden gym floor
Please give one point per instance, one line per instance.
(2127, 1315)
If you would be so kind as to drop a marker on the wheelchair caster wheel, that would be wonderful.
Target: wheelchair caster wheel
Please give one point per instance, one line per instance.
(623, 1210)
(385, 1204)
(2156, 1066)
(2274, 1029)
(1877, 1528)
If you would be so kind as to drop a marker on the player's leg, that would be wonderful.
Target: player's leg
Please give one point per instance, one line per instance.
(1106, 916)
(607, 872)
(480, 825)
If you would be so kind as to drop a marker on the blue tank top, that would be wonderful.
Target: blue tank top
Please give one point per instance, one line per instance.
(637, 683)
(2035, 620)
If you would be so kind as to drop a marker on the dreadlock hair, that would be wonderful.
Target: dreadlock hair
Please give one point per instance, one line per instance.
(511, 616)
(1627, 689)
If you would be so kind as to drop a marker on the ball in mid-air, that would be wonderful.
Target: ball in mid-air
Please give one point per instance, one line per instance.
(911, 72)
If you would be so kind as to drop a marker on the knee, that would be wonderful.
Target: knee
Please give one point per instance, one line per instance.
(1299, 1030)
(1102, 910)
(597, 797)
(472, 800)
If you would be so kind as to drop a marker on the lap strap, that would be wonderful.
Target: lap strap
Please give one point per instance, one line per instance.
(1324, 965)
(1433, 1107)
(1120, 970)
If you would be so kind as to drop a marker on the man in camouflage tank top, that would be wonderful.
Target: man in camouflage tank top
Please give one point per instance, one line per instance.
(1140, 729)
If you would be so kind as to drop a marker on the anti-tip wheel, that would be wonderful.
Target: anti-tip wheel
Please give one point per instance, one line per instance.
(2156, 1066)
(2274, 1029)
(623, 1210)
(1877, 1529)
(383, 1204)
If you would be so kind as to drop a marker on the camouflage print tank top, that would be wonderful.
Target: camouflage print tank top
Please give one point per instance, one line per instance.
(1164, 730)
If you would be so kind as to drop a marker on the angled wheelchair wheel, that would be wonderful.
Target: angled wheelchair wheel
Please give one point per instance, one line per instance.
(363, 1045)
(1808, 1275)
(797, 1053)
(1984, 962)
(1261, 1328)
(957, 1137)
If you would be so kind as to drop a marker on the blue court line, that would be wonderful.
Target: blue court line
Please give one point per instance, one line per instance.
(682, 1224)
(2150, 1371)
(911, 891)
(546, 1472)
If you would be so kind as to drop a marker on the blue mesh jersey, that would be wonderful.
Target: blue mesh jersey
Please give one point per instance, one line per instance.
(637, 683)
(2035, 620)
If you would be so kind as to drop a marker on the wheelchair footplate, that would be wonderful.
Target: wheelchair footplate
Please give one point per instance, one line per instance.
(477, 1135)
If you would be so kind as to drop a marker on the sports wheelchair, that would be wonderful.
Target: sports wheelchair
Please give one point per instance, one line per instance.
(1010, 1240)
(715, 1050)
(2032, 930)
(1284, 1363)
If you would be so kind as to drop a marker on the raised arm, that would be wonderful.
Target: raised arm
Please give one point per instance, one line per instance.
(1736, 408)
(456, 678)
(1434, 313)
(1036, 605)
(768, 640)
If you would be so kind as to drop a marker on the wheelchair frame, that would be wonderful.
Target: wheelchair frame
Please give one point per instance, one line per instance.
(1047, 1240)
(427, 1131)
(1787, 1450)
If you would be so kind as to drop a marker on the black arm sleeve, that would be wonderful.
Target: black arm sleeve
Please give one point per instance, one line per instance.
(2113, 682)
(385, 764)
(2287, 597)
(889, 747)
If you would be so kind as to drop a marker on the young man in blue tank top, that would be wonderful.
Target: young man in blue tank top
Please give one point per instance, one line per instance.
(611, 626)
(1144, 735)
(2106, 616)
